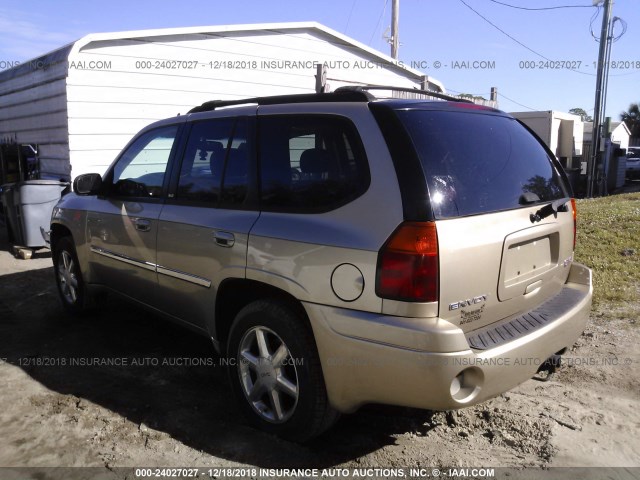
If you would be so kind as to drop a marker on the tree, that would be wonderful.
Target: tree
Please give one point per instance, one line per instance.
(582, 114)
(632, 119)
(470, 96)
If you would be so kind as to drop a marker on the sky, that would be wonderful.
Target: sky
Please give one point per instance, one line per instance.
(444, 39)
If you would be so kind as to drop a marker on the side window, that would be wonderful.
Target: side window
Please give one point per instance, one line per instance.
(216, 163)
(310, 164)
(141, 169)
(203, 161)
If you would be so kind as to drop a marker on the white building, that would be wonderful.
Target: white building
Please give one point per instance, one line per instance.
(620, 133)
(79, 105)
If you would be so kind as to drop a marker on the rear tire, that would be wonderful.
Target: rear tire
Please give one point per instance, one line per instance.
(275, 372)
(71, 286)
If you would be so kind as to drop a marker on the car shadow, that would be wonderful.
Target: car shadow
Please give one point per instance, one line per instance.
(158, 374)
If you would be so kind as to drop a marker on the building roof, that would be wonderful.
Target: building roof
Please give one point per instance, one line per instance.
(322, 31)
(588, 129)
(43, 61)
(621, 125)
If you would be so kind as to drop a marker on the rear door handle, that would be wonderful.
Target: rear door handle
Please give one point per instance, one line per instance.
(224, 239)
(143, 224)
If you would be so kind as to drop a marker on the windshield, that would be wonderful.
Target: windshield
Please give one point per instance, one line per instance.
(477, 163)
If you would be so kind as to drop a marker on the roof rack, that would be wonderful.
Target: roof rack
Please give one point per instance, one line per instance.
(337, 96)
(428, 93)
(350, 93)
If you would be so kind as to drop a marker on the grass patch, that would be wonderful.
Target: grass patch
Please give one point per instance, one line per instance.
(609, 244)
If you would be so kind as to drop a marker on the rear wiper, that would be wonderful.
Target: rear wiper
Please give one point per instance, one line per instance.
(528, 197)
(551, 209)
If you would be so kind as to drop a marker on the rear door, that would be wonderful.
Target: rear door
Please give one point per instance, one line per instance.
(204, 226)
(317, 235)
(486, 176)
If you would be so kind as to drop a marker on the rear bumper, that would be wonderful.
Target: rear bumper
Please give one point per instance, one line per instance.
(427, 362)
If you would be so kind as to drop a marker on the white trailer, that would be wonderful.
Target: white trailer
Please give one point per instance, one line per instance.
(562, 132)
(79, 105)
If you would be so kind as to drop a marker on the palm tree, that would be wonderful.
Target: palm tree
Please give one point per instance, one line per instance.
(632, 119)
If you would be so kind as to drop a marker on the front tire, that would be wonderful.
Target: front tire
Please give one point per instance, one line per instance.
(71, 287)
(275, 372)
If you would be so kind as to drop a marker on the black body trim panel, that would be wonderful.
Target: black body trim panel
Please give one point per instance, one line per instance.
(416, 203)
(514, 328)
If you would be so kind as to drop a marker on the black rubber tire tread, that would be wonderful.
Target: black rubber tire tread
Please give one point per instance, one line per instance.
(82, 305)
(313, 415)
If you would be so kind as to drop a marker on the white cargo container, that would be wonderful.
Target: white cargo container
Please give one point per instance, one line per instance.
(562, 132)
(79, 105)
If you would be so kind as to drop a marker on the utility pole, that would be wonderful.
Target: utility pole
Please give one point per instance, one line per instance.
(395, 13)
(601, 94)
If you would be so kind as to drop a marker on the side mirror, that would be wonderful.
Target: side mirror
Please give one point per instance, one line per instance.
(87, 184)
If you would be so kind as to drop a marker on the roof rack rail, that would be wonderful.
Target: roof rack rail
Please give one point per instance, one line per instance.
(349, 93)
(428, 93)
(337, 96)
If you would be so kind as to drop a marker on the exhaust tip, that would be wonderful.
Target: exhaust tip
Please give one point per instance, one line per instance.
(548, 368)
(466, 385)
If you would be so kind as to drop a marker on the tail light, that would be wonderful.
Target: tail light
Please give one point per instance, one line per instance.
(575, 221)
(408, 264)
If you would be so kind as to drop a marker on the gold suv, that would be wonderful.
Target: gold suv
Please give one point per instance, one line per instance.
(339, 249)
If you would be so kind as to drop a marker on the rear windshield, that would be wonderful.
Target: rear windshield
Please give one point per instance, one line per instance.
(477, 163)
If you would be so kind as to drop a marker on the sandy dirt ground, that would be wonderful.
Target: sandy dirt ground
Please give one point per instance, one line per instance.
(161, 412)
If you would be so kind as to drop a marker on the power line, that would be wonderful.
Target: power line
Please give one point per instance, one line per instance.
(517, 103)
(593, 18)
(624, 28)
(384, 9)
(349, 17)
(489, 93)
(541, 8)
(502, 31)
(515, 39)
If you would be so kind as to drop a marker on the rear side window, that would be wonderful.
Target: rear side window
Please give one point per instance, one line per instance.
(310, 163)
(215, 166)
(477, 163)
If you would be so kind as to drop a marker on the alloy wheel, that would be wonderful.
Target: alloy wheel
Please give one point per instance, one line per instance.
(268, 374)
(68, 277)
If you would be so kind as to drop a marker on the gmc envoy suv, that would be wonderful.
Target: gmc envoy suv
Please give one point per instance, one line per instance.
(339, 249)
